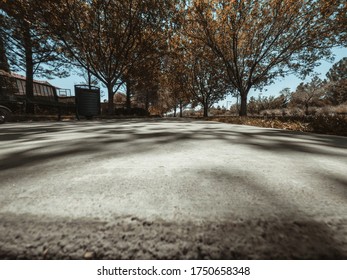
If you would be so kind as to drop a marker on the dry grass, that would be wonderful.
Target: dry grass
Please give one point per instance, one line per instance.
(324, 124)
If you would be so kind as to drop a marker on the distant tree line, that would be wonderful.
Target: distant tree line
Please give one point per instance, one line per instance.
(307, 97)
(172, 53)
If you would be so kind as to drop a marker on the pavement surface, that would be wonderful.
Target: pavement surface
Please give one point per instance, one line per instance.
(170, 189)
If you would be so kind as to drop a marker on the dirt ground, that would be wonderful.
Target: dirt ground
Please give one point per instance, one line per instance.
(29, 237)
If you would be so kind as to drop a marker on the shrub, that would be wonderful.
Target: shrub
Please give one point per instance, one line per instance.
(276, 112)
(132, 112)
(341, 109)
(327, 110)
(265, 113)
(312, 111)
(297, 112)
(189, 113)
(285, 112)
(329, 124)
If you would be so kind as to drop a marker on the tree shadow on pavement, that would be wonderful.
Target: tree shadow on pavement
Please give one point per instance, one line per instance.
(36, 144)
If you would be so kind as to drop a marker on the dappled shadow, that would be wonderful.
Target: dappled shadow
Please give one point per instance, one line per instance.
(338, 182)
(39, 237)
(39, 142)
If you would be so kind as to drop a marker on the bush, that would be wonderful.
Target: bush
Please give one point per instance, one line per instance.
(285, 112)
(325, 124)
(131, 112)
(189, 113)
(276, 112)
(297, 112)
(328, 124)
(341, 109)
(327, 110)
(265, 113)
(312, 111)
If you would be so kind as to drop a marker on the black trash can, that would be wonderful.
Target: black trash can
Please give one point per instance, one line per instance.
(87, 100)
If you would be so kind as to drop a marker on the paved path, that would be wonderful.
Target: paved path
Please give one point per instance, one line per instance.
(210, 178)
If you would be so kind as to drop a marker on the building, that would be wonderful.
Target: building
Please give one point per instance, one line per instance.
(47, 98)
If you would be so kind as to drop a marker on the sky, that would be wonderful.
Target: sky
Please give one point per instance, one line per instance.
(290, 81)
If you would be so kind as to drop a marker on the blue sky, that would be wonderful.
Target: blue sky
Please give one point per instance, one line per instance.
(290, 81)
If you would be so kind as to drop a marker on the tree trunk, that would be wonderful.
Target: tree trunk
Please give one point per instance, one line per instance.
(175, 111)
(181, 108)
(3, 58)
(237, 103)
(89, 78)
(29, 65)
(128, 93)
(110, 99)
(243, 110)
(205, 110)
(147, 101)
(8, 86)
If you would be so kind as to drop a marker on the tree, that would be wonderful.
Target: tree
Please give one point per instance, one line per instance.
(195, 73)
(309, 94)
(176, 77)
(253, 106)
(164, 101)
(29, 46)
(261, 40)
(7, 84)
(283, 99)
(142, 80)
(146, 85)
(338, 71)
(206, 81)
(340, 22)
(88, 77)
(107, 37)
(336, 86)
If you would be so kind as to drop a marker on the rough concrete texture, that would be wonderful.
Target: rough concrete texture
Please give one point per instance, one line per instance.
(170, 189)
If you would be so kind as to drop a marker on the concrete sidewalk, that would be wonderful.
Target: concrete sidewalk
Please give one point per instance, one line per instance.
(230, 183)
